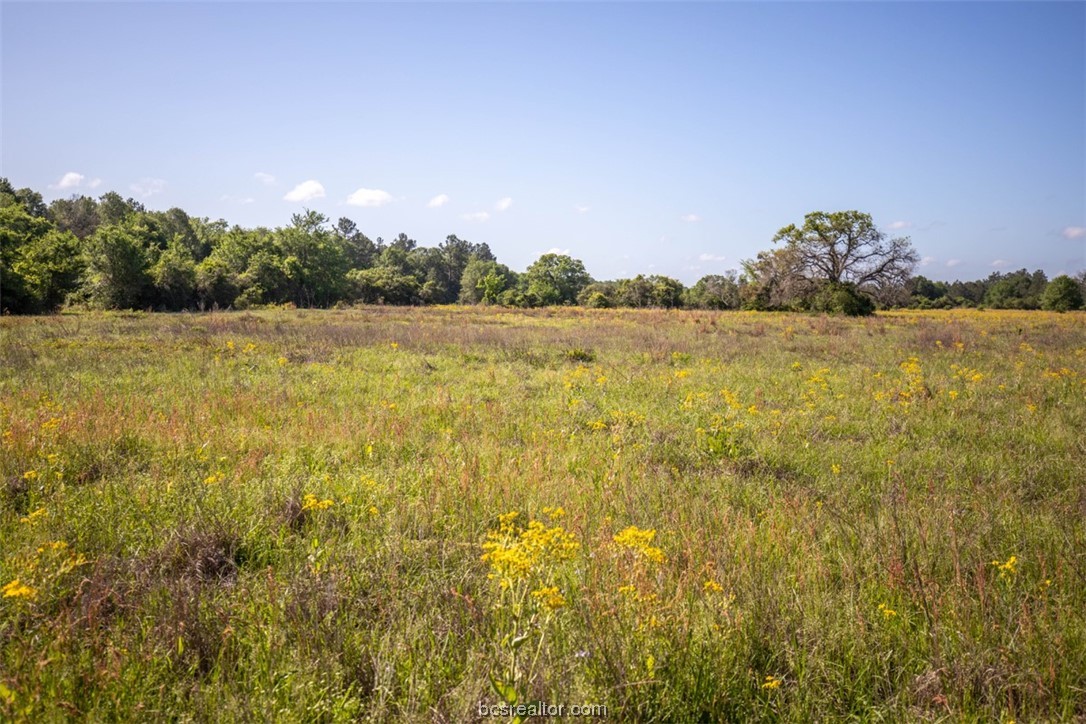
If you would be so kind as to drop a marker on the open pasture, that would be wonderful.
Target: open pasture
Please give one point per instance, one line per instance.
(396, 514)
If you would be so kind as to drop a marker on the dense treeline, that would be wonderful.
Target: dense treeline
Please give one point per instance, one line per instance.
(114, 253)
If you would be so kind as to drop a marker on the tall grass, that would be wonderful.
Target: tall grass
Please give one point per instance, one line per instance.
(719, 516)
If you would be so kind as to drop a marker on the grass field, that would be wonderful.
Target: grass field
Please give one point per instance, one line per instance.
(399, 514)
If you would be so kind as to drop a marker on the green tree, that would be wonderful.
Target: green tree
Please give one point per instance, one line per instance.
(78, 214)
(50, 267)
(555, 279)
(484, 280)
(174, 276)
(1015, 290)
(34, 259)
(314, 260)
(845, 247)
(383, 285)
(715, 291)
(599, 295)
(216, 283)
(117, 268)
(361, 251)
(1062, 295)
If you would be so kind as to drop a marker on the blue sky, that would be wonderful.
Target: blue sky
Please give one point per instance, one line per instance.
(667, 138)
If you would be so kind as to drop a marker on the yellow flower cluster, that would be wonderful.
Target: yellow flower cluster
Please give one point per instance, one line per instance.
(33, 515)
(1006, 568)
(17, 589)
(771, 682)
(639, 540)
(887, 612)
(312, 502)
(549, 597)
(518, 554)
(966, 374)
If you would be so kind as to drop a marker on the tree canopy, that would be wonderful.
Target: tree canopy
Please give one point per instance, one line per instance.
(113, 252)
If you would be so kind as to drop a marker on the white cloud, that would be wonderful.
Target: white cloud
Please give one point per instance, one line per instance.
(370, 198)
(237, 199)
(899, 225)
(1074, 232)
(148, 187)
(953, 262)
(94, 183)
(265, 178)
(305, 191)
(69, 180)
(438, 201)
(476, 216)
(556, 250)
(582, 208)
(927, 260)
(690, 218)
(712, 257)
(503, 204)
(1000, 263)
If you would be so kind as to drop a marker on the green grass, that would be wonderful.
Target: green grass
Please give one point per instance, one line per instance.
(282, 515)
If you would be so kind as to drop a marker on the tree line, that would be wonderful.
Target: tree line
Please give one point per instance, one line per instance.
(114, 253)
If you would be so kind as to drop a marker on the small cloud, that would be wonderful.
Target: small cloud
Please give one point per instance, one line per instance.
(148, 187)
(1000, 263)
(712, 257)
(69, 180)
(927, 260)
(476, 216)
(690, 218)
(370, 198)
(438, 201)
(503, 204)
(94, 183)
(265, 178)
(305, 191)
(1074, 232)
(899, 225)
(237, 199)
(556, 250)
(582, 209)
(953, 262)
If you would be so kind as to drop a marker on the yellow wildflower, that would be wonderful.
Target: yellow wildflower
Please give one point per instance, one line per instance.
(887, 612)
(312, 502)
(640, 540)
(17, 589)
(549, 597)
(771, 682)
(554, 513)
(1006, 569)
(33, 515)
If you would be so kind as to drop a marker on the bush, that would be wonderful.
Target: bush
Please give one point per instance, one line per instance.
(836, 298)
(1061, 295)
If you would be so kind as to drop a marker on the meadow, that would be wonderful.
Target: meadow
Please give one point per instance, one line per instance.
(396, 514)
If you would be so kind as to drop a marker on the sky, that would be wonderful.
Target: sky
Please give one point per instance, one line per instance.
(656, 138)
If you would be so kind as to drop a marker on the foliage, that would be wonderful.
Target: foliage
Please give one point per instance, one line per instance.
(842, 298)
(1062, 295)
(554, 279)
(847, 247)
(113, 252)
